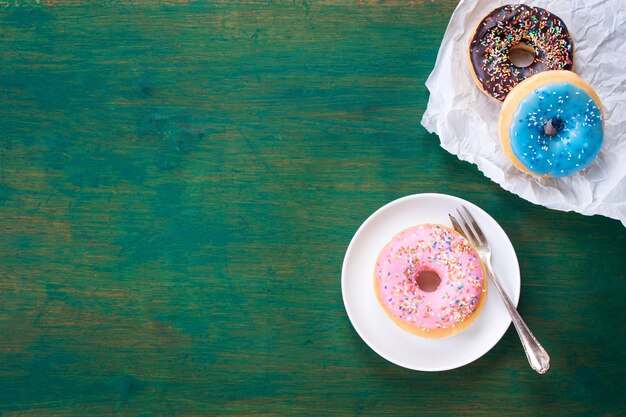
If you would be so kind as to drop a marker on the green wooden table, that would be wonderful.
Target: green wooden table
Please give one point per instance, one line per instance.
(179, 182)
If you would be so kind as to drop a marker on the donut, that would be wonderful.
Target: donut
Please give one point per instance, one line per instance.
(430, 281)
(512, 30)
(551, 124)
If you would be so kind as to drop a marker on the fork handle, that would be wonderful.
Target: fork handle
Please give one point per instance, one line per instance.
(537, 356)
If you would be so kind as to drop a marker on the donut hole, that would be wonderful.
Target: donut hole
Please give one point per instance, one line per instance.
(522, 55)
(553, 126)
(428, 281)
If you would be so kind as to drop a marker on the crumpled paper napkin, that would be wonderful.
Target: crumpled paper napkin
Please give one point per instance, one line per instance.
(466, 119)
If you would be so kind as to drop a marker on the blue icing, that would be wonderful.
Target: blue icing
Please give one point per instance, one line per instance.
(579, 132)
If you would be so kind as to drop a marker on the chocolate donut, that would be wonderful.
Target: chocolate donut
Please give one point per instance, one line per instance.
(517, 27)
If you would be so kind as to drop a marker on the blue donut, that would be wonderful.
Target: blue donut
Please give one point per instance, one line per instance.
(553, 125)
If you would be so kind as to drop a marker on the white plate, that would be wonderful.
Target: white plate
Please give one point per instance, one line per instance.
(376, 328)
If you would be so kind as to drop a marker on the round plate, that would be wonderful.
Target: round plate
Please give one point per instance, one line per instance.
(376, 328)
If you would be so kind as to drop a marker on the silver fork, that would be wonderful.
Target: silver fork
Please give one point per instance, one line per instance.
(537, 356)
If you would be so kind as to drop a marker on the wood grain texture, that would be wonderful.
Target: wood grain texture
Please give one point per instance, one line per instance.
(179, 182)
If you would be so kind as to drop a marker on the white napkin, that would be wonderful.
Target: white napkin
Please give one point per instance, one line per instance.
(466, 119)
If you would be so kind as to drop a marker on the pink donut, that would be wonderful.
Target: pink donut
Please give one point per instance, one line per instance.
(430, 281)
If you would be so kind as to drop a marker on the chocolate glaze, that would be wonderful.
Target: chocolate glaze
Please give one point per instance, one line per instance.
(508, 26)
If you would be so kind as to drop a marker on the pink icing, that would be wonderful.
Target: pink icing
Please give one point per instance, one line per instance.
(436, 248)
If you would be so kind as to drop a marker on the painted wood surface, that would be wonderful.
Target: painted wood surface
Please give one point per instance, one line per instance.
(179, 183)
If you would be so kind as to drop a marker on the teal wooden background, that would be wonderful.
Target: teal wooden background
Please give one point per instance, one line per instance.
(178, 185)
